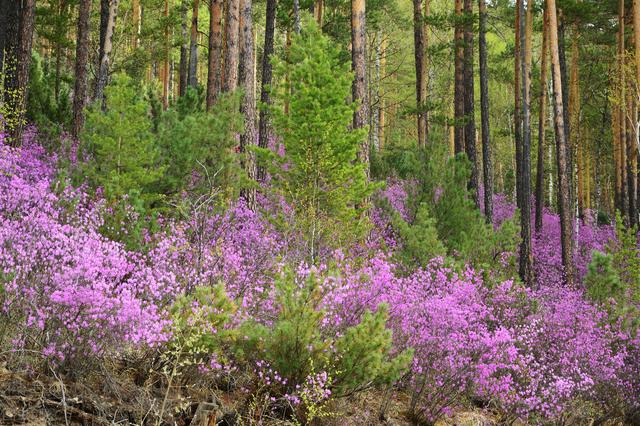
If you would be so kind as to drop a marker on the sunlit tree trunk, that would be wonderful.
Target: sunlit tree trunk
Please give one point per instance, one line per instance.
(214, 74)
(487, 171)
(105, 49)
(358, 61)
(574, 117)
(318, 11)
(231, 51)
(193, 46)
(183, 73)
(542, 120)
(517, 114)
(564, 200)
(166, 71)
(82, 62)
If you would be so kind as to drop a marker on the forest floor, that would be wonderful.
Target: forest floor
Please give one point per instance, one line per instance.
(29, 398)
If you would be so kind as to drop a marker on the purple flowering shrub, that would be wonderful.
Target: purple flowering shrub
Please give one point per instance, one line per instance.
(324, 330)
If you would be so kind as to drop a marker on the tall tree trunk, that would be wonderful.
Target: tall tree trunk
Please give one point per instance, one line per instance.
(517, 112)
(469, 102)
(620, 107)
(136, 12)
(183, 73)
(359, 65)
(459, 90)
(564, 200)
(82, 61)
(267, 77)
(230, 82)
(215, 52)
(166, 67)
(296, 16)
(566, 103)
(526, 258)
(105, 48)
(5, 9)
(318, 11)
(574, 118)
(421, 70)
(193, 46)
(542, 120)
(487, 171)
(382, 105)
(248, 107)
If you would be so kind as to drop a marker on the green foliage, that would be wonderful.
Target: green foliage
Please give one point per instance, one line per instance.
(125, 160)
(613, 279)
(194, 140)
(48, 114)
(11, 112)
(319, 174)
(419, 239)
(297, 345)
(199, 322)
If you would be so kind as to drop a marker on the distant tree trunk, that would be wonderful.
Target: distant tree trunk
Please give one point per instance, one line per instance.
(248, 107)
(166, 67)
(526, 258)
(469, 102)
(230, 82)
(318, 11)
(542, 120)
(517, 112)
(193, 46)
(487, 171)
(564, 200)
(296, 16)
(421, 70)
(459, 89)
(105, 48)
(82, 60)
(135, 5)
(359, 58)
(267, 77)
(214, 74)
(183, 73)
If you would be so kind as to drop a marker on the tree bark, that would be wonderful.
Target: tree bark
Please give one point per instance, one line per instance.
(183, 73)
(421, 71)
(487, 170)
(248, 107)
(231, 46)
(267, 77)
(166, 67)
(318, 11)
(193, 46)
(459, 89)
(136, 12)
(564, 200)
(105, 48)
(542, 120)
(215, 52)
(82, 61)
(358, 61)
(469, 102)
(526, 258)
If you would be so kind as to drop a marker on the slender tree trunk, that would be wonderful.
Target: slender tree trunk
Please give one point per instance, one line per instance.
(267, 77)
(621, 120)
(487, 171)
(574, 118)
(517, 112)
(24, 60)
(193, 46)
(82, 61)
(183, 73)
(459, 90)
(105, 49)
(382, 105)
(526, 258)
(469, 102)
(566, 103)
(296, 16)
(166, 67)
(359, 65)
(421, 70)
(564, 200)
(248, 107)
(542, 120)
(231, 48)
(136, 12)
(215, 52)
(318, 11)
